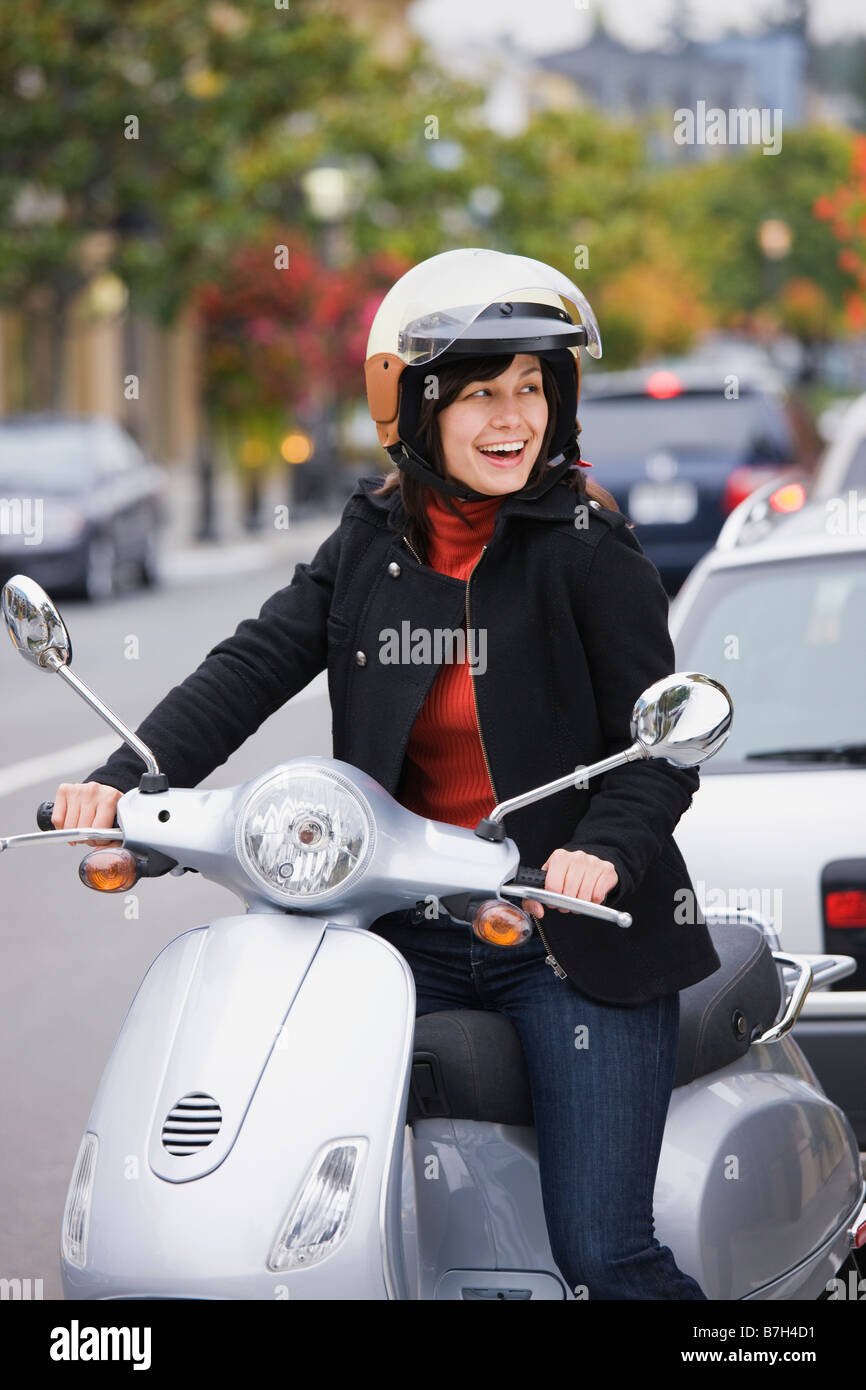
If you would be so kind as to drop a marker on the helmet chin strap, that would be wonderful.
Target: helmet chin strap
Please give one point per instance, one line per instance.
(411, 462)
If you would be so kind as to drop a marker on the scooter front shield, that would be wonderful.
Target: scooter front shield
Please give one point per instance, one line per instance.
(253, 1048)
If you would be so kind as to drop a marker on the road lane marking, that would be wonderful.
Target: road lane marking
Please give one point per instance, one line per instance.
(95, 751)
(51, 765)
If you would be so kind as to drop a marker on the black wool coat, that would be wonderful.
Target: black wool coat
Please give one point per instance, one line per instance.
(575, 618)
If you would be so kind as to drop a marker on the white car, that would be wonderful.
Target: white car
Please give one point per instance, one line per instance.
(843, 465)
(777, 613)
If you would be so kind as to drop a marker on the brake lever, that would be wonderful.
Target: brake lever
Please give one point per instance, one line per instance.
(581, 906)
(34, 836)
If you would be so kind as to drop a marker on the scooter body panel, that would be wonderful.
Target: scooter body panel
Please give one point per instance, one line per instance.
(758, 1177)
(319, 1024)
(480, 1213)
(758, 1180)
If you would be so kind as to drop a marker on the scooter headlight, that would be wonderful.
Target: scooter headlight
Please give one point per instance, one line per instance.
(305, 834)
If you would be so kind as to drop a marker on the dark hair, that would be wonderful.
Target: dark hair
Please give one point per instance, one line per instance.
(451, 380)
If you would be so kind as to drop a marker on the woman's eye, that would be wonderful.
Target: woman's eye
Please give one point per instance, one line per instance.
(485, 391)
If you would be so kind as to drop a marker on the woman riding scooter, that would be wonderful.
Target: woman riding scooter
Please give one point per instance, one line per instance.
(473, 381)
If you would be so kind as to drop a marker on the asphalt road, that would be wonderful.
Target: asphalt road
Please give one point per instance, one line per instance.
(69, 961)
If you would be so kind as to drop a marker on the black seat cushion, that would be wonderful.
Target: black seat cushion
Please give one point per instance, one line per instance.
(469, 1064)
(720, 1015)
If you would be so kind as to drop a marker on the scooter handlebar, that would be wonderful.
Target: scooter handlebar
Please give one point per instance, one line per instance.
(535, 878)
(151, 864)
(44, 814)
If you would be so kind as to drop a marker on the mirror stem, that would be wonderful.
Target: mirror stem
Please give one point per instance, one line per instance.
(53, 663)
(491, 827)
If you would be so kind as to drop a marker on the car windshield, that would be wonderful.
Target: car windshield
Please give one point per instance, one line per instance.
(856, 473)
(619, 429)
(46, 458)
(788, 641)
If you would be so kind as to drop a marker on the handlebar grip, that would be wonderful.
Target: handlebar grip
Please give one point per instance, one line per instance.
(44, 813)
(534, 878)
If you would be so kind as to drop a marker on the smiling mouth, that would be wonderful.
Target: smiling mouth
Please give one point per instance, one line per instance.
(506, 455)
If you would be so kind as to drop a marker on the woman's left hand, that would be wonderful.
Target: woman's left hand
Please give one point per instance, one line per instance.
(578, 874)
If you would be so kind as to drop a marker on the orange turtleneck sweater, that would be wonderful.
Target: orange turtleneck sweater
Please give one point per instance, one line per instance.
(444, 775)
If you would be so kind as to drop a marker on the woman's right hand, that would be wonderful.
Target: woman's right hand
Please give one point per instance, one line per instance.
(80, 805)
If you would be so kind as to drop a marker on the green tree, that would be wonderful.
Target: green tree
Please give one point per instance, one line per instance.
(714, 212)
(154, 139)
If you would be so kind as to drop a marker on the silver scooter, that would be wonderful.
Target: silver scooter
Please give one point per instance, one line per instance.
(274, 1123)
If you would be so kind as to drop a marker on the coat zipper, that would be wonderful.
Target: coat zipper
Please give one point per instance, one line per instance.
(550, 958)
(472, 678)
(414, 552)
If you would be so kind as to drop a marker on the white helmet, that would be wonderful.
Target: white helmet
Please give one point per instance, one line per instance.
(472, 303)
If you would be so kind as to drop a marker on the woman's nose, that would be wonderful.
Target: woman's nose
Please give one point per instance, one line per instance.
(506, 413)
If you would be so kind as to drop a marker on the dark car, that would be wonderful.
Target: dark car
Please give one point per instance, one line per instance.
(80, 505)
(681, 446)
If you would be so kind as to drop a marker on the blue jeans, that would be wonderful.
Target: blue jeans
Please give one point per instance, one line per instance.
(601, 1077)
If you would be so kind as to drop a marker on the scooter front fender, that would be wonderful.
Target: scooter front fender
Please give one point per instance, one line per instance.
(291, 1033)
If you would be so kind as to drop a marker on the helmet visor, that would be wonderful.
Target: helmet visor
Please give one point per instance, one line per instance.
(435, 304)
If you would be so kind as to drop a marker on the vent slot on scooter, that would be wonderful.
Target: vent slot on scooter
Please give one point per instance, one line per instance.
(191, 1124)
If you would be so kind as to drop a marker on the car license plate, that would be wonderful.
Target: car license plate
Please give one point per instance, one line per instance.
(650, 504)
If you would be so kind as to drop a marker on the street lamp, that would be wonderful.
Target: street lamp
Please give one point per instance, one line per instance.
(331, 190)
(775, 239)
(328, 190)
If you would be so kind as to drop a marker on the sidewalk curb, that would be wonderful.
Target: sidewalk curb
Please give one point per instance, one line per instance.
(242, 554)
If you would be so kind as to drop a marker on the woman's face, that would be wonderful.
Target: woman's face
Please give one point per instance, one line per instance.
(511, 411)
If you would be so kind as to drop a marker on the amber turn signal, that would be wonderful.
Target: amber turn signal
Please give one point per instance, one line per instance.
(502, 924)
(109, 870)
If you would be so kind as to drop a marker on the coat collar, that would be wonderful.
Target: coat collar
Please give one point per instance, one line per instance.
(556, 504)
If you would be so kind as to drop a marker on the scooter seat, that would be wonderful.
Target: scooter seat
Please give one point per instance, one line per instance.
(469, 1064)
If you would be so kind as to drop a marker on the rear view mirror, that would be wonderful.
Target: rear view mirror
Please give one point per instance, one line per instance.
(39, 633)
(683, 718)
(37, 630)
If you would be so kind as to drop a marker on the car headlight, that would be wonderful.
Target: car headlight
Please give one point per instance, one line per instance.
(305, 834)
(61, 524)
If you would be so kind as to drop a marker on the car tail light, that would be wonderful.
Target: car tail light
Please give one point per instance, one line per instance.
(743, 481)
(663, 385)
(845, 908)
(843, 899)
(787, 498)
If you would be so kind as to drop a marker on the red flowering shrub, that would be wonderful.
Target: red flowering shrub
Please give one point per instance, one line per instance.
(275, 333)
(845, 210)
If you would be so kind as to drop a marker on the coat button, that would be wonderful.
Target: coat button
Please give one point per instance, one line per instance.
(360, 659)
(394, 570)
(593, 503)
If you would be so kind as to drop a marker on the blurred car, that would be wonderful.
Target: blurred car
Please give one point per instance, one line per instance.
(679, 455)
(843, 466)
(777, 613)
(81, 507)
(738, 352)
